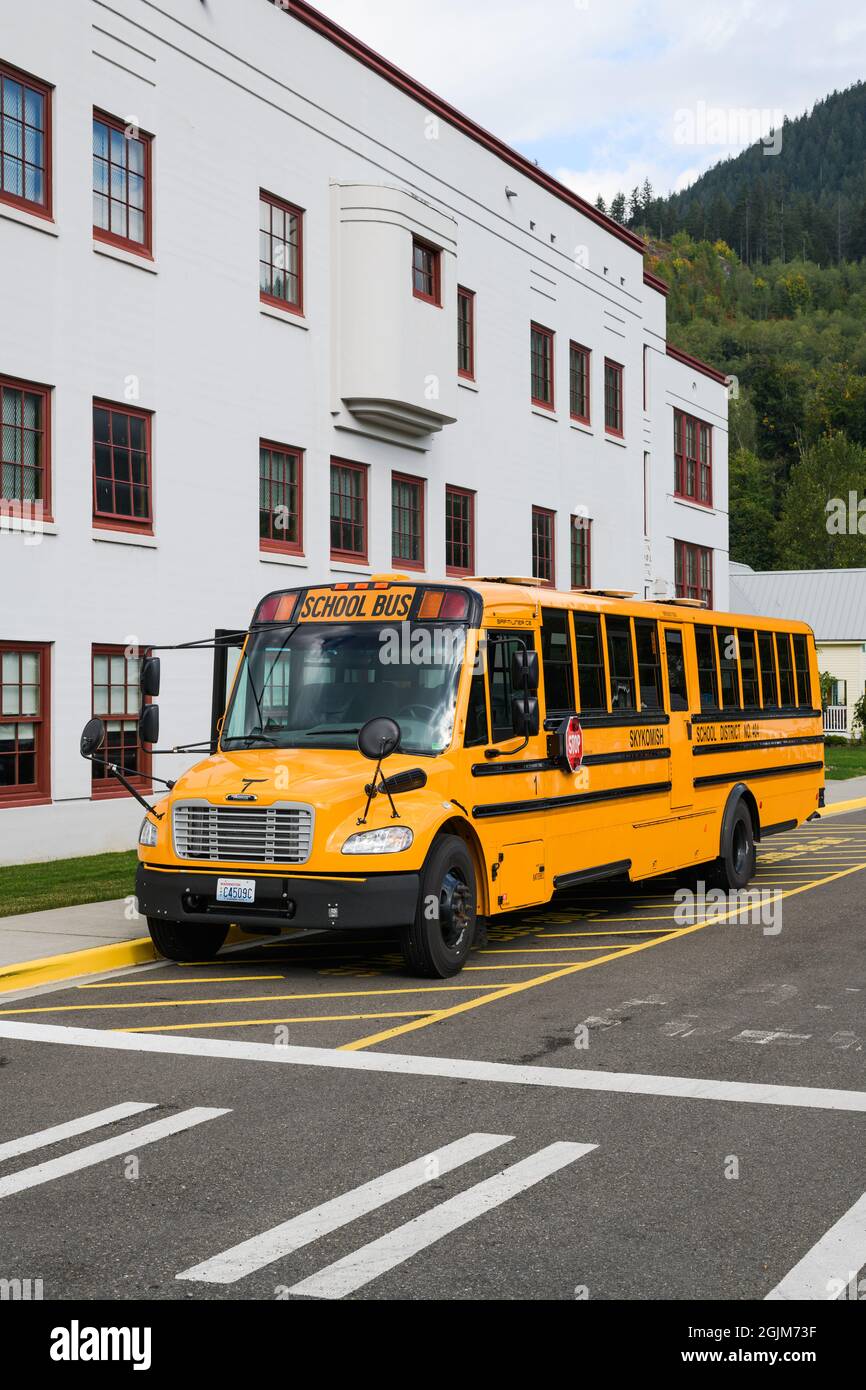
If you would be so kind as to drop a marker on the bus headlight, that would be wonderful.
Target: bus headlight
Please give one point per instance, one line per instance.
(390, 840)
(147, 834)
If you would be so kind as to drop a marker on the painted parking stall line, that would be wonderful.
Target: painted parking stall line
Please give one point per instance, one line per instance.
(70, 1129)
(371, 1261)
(92, 1154)
(259, 1251)
(826, 1270)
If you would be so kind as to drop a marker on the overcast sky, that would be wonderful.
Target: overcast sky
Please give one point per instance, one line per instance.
(606, 94)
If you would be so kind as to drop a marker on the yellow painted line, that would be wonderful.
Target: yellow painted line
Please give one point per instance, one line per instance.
(629, 931)
(232, 999)
(215, 980)
(265, 1022)
(572, 969)
(837, 808)
(516, 950)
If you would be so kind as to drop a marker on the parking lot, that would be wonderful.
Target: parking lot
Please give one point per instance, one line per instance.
(620, 1097)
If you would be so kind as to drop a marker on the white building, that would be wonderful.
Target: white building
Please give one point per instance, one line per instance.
(236, 244)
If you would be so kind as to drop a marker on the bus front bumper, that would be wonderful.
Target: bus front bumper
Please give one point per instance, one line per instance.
(377, 900)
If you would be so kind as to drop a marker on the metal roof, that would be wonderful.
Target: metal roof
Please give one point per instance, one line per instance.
(832, 602)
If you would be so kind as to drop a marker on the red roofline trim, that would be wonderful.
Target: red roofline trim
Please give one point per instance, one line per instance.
(697, 365)
(656, 283)
(313, 19)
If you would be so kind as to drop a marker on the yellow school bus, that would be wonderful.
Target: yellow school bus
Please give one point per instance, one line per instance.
(426, 757)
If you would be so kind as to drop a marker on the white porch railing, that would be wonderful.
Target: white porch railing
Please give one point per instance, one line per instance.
(835, 719)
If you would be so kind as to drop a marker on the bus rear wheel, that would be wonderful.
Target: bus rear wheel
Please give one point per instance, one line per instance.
(177, 942)
(735, 866)
(439, 940)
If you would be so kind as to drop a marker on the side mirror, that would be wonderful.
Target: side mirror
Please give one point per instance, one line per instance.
(149, 678)
(524, 671)
(148, 724)
(525, 717)
(379, 738)
(92, 737)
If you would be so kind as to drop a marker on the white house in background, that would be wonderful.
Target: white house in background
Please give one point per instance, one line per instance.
(273, 313)
(833, 603)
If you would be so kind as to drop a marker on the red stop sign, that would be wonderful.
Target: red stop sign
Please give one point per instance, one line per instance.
(572, 743)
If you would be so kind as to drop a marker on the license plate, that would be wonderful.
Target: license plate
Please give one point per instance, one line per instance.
(236, 890)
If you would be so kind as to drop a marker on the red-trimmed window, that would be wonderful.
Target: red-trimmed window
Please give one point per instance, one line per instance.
(348, 510)
(578, 380)
(281, 491)
(117, 700)
(25, 707)
(466, 333)
(613, 413)
(693, 571)
(693, 459)
(407, 521)
(581, 552)
(122, 211)
(25, 141)
(459, 531)
(543, 545)
(281, 253)
(122, 492)
(541, 366)
(426, 272)
(25, 447)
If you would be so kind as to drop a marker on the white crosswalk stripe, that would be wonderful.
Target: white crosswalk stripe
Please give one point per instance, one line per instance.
(57, 1133)
(826, 1271)
(254, 1254)
(372, 1260)
(120, 1144)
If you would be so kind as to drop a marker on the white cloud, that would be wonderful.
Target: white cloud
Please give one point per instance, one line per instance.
(594, 86)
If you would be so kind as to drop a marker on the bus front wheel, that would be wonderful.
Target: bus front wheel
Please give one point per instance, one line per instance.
(178, 942)
(735, 866)
(439, 940)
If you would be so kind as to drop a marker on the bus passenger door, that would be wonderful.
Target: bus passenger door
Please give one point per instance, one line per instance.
(680, 728)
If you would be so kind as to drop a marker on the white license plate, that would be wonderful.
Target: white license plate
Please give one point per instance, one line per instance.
(236, 890)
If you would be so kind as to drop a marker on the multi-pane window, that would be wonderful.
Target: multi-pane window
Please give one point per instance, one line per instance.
(728, 667)
(693, 572)
(459, 531)
(769, 678)
(613, 413)
(749, 669)
(281, 231)
(804, 675)
(348, 510)
(426, 272)
(121, 467)
(117, 701)
(543, 545)
(407, 521)
(466, 333)
(590, 663)
(121, 183)
(24, 710)
(25, 141)
(24, 444)
(578, 377)
(541, 366)
(693, 459)
(280, 497)
(581, 547)
(708, 676)
(620, 660)
(786, 668)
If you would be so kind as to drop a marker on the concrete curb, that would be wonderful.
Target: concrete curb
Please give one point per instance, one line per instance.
(95, 960)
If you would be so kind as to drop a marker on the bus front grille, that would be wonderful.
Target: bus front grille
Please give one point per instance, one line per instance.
(278, 834)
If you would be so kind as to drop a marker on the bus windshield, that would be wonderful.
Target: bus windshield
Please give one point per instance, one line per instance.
(316, 685)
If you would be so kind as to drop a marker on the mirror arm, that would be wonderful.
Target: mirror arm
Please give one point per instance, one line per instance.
(505, 752)
(115, 772)
(373, 790)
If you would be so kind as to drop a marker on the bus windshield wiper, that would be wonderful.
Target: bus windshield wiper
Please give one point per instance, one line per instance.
(258, 736)
(321, 733)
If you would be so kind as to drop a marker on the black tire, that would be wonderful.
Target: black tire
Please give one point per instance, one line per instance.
(177, 942)
(735, 866)
(438, 943)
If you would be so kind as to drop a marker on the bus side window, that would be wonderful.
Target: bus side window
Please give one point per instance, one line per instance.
(769, 684)
(786, 668)
(648, 664)
(749, 669)
(801, 666)
(676, 661)
(590, 664)
(476, 734)
(728, 667)
(619, 654)
(556, 662)
(708, 680)
(500, 646)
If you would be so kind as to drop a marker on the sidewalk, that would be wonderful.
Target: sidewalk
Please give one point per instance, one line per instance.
(850, 789)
